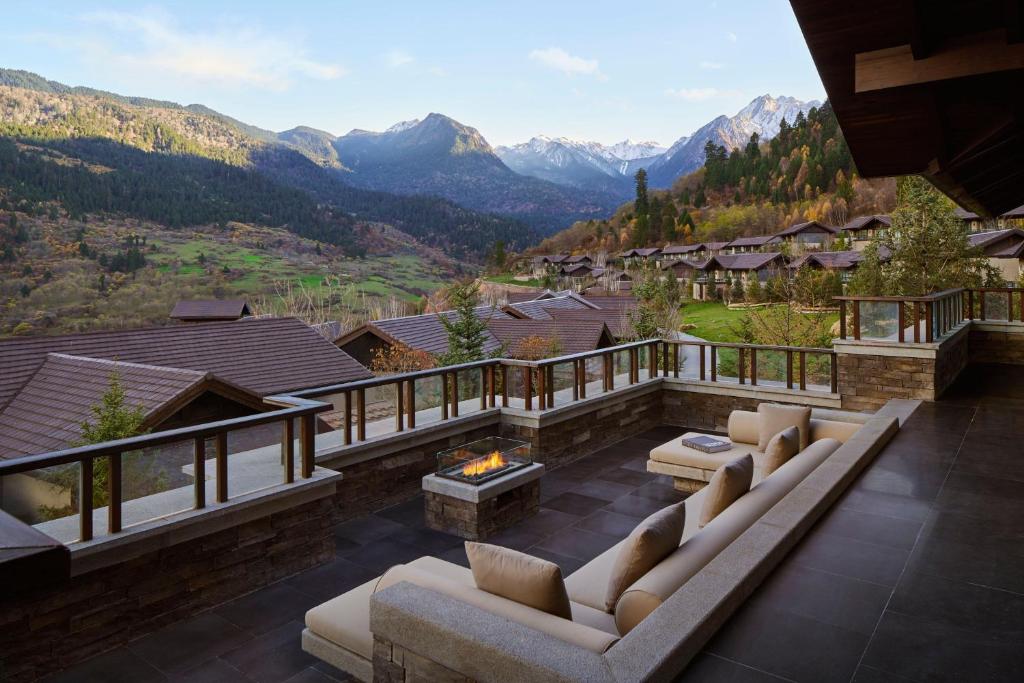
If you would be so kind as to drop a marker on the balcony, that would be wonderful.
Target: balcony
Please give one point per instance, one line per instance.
(279, 528)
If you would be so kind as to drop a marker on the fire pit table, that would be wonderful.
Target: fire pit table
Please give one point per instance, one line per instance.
(482, 487)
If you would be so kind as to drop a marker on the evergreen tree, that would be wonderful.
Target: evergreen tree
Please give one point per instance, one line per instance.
(467, 332)
(641, 209)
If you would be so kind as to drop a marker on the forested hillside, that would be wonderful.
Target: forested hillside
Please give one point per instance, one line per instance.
(87, 151)
(804, 173)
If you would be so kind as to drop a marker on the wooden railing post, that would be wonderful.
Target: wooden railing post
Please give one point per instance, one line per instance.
(609, 371)
(803, 371)
(199, 471)
(675, 360)
(492, 385)
(542, 391)
(741, 370)
(575, 380)
(929, 316)
(288, 450)
(970, 304)
(361, 414)
(842, 319)
(900, 321)
(700, 349)
(221, 455)
(455, 394)
(483, 388)
(114, 481)
(789, 368)
(981, 304)
(85, 482)
(528, 387)
(714, 363)
(551, 386)
(307, 444)
(634, 365)
(753, 367)
(348, 418)
(652, 361)
(583, 377)
(399, 405)
(917, 321)
(856, 320)
(664, 358)
(410, 403)
(445, 398)
(504, 386)
(834, 372)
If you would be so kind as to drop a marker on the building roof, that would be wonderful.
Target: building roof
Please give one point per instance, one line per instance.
(538, 308)
(211, 309)
(578, 268)
(262, 355)
(423, 332)
(971, 216)
(684, 248)
(647, 251)
(618, 320)
(572, 336)
(866, 222)
(603, 301)
(716, 246)
(752, 261)
(1008, 243)
(807, 225)
(832, 260)
(48, 412)
(577, 259)
(755, 241)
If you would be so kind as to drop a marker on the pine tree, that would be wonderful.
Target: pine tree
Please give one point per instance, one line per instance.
(467, 332)
(641, 208)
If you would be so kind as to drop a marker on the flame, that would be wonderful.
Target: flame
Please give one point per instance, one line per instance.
(484, 465)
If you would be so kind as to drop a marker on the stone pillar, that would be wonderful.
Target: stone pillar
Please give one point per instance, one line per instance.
(873, 371)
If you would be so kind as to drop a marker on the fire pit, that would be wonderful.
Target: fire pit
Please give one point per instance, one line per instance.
(482, 487)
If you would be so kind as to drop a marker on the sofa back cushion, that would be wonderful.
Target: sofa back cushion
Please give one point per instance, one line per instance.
(580, 635)
(729, 482)
(654, 587)
(781, 448)
(833, 429)
(520, 577)
(647, 545)
(773, 418)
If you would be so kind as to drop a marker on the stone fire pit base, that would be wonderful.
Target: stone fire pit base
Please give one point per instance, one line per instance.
(478, 512)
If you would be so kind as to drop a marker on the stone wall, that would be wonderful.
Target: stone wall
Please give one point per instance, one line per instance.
(703, 412)
(477, 521)
(870, 376)
(560, 438)
(396, 474)
(990, 344)
(394, 664)
(52, 628)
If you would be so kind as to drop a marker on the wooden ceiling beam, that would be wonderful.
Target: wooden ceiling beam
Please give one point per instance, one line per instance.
(1013, 16)
(973, 55)
(921, 42)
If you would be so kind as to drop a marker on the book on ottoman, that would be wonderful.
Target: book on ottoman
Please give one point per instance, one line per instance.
(707, 444)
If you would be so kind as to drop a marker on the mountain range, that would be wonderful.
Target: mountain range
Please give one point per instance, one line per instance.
(591, 165)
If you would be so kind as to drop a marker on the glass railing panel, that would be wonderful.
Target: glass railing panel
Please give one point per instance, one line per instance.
(819, 372)
(471, 385)
(879, 320)
(771, 367)
(996, 306)
(46, 498)
(255, 458)
(428, 400)
(564, 377)
(728, 362)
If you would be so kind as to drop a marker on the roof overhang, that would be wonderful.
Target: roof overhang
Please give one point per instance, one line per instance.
(927, 87)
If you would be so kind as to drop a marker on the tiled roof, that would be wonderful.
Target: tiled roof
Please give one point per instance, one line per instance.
(715, 246)
(829, 259)
(537, 309)
(577, 268)
(47, 414)
(753, 261)
(756, 241)
(617, 319)
(800, 227)
(862, 222)
(575, 336)
(649, 251)
(262, 355)
(211, 309)
(683, 249)
(1008, 243)
(426, 332)
(627, 301)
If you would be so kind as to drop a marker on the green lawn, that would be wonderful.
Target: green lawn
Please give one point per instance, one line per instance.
(508, 279)
(714, 321)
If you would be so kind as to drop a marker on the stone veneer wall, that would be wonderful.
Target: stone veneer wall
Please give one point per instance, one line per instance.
(996, 345)
(395, 476)
(907, 371)
(51, 628)
(477, 521)
(709, 412)
(555, 442)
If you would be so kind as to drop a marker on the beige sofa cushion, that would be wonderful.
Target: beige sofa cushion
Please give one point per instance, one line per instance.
(520, 577)
(657, 585)
(781, 448)
(646, 546)
(774, 417)
(833, 429)
(729, 482)
(744, 427)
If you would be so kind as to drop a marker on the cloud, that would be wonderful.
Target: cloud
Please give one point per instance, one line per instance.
(699, 94)
(711, 65)
(152, 43)
(399, 58)
(731, 36)
(571, 65)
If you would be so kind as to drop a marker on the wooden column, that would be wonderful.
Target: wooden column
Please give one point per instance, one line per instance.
(445, 399)
(85, 482)
(348, 417)
(410, 403)
(114, 481)
(361, 414)
(199, 471)
(399, 405)
(288, 449)
(221, 455)
(307, 444)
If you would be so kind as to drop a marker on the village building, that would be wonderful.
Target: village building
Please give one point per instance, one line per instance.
(746, 245)
(210, 310)
(809, 235)
(1004, 250)
(719, 272)
(861, 230)
(1014, 218)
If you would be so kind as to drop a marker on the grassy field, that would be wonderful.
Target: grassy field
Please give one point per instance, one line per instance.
(714, 321)
(508, 279)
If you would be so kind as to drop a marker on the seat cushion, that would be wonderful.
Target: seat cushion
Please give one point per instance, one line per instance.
(675, 453)
(730, 481)
(774, 418)
(781, 448)
(647, 545)
(520, 577)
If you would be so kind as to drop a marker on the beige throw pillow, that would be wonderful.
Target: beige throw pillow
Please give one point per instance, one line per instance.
(517, 576)
(729, 482)
(774, 418)
(648, 544)
(781, 448)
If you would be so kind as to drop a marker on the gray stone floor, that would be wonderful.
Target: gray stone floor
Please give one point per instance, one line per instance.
(917, 574)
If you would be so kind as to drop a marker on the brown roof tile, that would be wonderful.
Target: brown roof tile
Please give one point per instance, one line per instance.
(211, 309)
(424, 332)
(571, 336)
(617, 319)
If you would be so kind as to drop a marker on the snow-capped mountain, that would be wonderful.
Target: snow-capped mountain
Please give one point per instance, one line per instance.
(611, 167)
(763, 116)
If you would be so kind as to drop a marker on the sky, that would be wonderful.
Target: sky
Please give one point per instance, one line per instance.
(594, 70)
